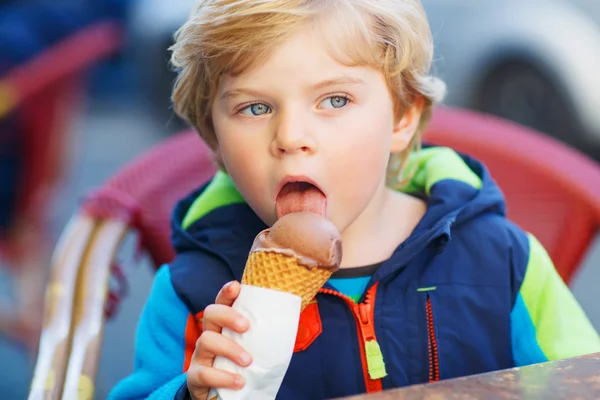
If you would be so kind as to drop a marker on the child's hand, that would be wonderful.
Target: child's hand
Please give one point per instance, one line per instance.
(201, 375)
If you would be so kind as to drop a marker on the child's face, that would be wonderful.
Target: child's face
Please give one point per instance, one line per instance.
(301, 113)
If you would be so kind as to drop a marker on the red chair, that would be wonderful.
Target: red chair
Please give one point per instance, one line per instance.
(44, 94)
(143, 194)
(46, 91)
(140, 197)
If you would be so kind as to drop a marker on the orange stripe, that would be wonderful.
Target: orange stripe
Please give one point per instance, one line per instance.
(193, 329)
(373, 385)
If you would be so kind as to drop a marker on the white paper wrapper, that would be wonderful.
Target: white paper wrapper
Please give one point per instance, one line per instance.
(270, 340)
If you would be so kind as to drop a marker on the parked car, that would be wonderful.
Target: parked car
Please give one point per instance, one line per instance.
(536, 62)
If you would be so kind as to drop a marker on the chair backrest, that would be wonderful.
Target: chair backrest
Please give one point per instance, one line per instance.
(145, 192)
(551, 190)
(43, 91)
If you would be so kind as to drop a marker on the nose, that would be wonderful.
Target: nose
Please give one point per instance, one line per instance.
(293, 135)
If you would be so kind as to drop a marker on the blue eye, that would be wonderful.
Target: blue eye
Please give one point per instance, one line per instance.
(255, 109)
(334, 102)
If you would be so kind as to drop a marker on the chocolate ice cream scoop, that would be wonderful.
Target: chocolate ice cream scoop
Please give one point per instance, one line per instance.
(307, 236)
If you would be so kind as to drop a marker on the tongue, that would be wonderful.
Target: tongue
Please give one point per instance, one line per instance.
(297, 197)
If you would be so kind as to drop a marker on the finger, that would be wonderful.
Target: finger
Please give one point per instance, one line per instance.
(228, 293)
(200, 378)
(211, 344)
(218, 316)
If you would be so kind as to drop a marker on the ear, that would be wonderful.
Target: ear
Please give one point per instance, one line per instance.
(405, 128)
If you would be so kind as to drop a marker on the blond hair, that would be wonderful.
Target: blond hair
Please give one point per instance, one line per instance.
(228, 36)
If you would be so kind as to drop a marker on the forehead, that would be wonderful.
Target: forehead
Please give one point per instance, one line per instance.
(310, 53)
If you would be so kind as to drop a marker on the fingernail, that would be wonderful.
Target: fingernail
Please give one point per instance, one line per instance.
(245, 358)
(239, 382)
(227, 285)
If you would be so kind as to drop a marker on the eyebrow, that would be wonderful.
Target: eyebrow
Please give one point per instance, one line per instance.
(232, 94)
(339, 81)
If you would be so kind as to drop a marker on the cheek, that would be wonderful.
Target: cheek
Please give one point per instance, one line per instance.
(247, 164)
(248, 171)
(365, 146)
(360, 158)
(235, 153)
(234, 146)
(361, 165)
(242, 164)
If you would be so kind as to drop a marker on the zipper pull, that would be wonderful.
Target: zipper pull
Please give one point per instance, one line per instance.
(375, 363)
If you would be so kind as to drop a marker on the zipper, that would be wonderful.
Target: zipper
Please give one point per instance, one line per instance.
(370, 352)
(434, 367)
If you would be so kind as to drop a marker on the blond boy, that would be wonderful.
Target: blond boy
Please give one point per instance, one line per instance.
(317, 105)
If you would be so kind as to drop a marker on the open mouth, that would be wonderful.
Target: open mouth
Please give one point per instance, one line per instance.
(300, 196)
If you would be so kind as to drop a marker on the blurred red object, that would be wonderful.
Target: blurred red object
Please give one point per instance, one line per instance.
(548, 187)
(143, 195)
(41, 96)
(45, 92)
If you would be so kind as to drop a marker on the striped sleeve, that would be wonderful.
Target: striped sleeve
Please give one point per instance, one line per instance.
(161, 348)
(547, 323)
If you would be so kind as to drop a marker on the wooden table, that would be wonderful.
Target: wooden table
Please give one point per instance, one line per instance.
(574, 379)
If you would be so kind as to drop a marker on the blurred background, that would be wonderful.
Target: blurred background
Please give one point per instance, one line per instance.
(84, 89)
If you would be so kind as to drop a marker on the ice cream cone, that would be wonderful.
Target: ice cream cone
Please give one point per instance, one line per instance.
(283, 272)
(296, 255)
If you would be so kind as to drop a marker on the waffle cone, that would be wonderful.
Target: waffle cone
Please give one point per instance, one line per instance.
(281, 272)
